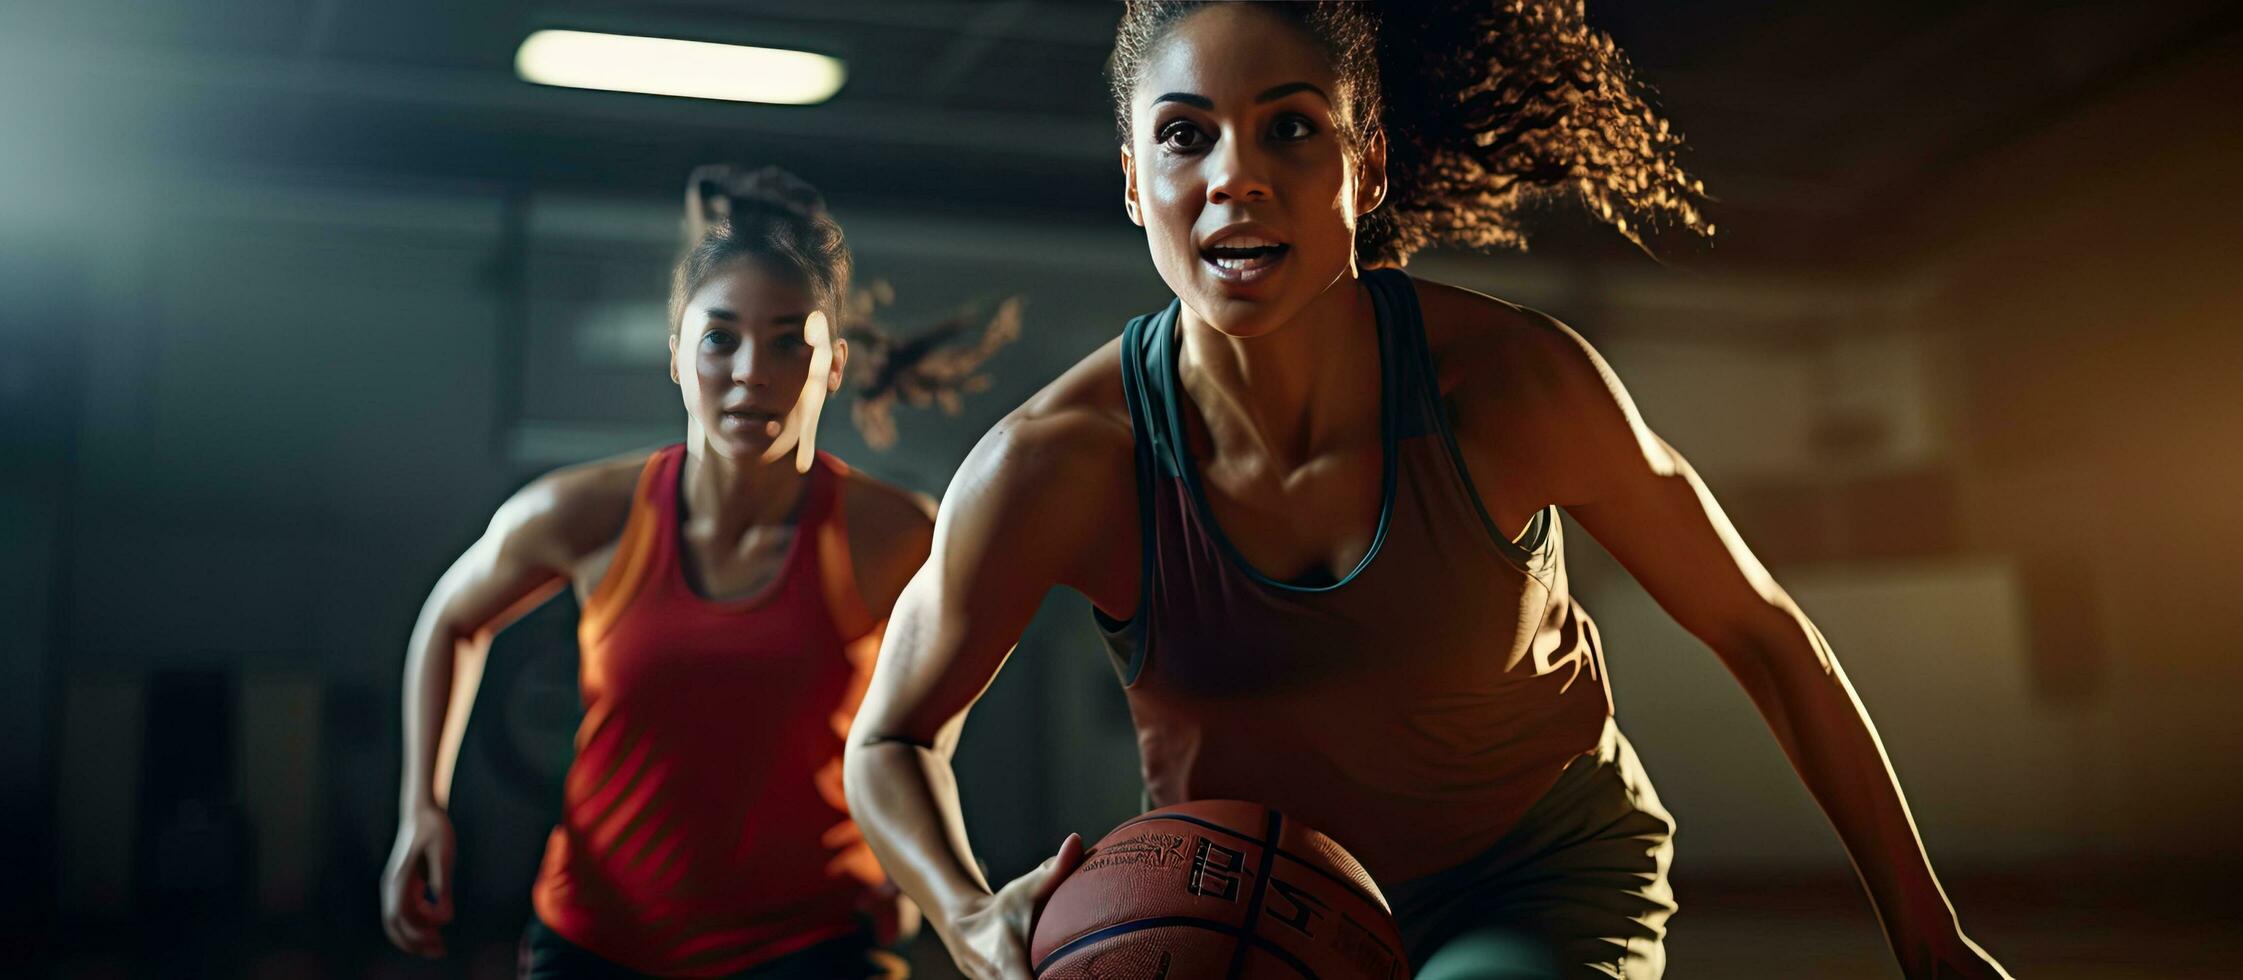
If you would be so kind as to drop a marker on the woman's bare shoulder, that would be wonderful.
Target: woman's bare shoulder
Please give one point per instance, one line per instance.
(875, 505)
(890, 531)
(888, 524)
(574, 510)
(1077, 423)
(1481, 338)
(1055, 479)
(1091, 389)
(1529, 389)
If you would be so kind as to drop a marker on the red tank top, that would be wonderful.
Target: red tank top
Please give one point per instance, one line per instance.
(703, 828)
(1412, 710)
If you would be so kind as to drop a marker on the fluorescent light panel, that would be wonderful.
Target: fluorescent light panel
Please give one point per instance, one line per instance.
(667, 66)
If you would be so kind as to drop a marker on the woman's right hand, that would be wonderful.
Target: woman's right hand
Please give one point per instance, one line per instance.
(990, 940)
(417, 884)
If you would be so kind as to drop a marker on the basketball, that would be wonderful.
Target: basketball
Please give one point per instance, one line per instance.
(1217, 888)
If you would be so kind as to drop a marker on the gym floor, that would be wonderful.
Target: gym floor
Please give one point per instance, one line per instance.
(2082, 923)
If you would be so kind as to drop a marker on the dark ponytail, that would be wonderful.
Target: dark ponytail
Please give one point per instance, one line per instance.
(1488, 108)
(936, 366)
(774, 217)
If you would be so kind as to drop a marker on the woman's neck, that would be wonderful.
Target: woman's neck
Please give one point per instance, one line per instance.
(737, 494)
(1293, 389)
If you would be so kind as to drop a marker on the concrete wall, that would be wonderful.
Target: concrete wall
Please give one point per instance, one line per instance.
(2091, 274)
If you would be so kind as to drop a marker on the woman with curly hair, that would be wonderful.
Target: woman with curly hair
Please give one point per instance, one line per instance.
(733, 590)
(1313, 501)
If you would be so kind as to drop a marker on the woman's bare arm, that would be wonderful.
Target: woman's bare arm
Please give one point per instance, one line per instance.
(1645, 504)
(522, 559)
(1048, 498)
(517, 564)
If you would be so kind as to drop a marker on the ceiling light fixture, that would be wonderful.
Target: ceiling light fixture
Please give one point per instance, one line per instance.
(667, 66)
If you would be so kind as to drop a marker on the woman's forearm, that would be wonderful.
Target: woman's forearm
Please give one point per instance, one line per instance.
(443, 668)
(1816, 716)
(905, 798)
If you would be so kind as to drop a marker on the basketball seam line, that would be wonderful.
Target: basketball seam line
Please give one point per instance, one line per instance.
(1125, 928)
(1159, 922)
(1352, 889)
(1271, 829)
(1280, 952)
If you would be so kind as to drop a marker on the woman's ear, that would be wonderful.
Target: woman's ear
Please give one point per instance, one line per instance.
(840, 369)
(1129, 188)
(674, 357)
(1370, 174)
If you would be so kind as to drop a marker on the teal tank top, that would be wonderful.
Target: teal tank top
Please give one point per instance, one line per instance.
(1414, 708)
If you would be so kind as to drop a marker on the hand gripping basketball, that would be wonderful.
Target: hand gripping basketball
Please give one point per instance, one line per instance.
(991, 941)
(1217, 889)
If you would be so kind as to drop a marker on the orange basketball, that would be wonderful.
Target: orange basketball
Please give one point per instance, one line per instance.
(1217, 888)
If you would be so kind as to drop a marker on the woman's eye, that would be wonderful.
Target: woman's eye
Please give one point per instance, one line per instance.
(1182, 136)
(718, 338)
(1291, 128)
(791, 342)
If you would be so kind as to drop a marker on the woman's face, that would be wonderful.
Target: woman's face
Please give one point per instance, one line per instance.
(1238, 168)
(743, 358)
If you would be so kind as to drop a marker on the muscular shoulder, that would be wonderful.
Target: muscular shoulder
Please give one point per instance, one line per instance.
(572, 511)
(1527, 389)
(1477, 339)
(1088, 394)
(1056, 480)
(1076, 428)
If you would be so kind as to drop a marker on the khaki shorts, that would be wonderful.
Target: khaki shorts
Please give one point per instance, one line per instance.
(1577, 890)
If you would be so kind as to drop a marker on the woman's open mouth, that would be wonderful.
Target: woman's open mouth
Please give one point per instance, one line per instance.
(1244, 258)
(751, 420)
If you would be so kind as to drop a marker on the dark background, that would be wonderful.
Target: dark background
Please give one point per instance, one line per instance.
(292, 294)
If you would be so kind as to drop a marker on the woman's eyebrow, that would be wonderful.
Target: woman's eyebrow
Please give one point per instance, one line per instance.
(1290, 88)
(1272, 94)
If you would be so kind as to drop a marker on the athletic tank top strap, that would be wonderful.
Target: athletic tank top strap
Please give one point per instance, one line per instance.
(647, 553)
(1152, 386)
(821, 500)
(1408, 403)
(638, 550)
(1141, 350)
(1426, 413)
(827, 520)
(812, 514)
(1150, 357)
(1145, 370)
(1415, 397)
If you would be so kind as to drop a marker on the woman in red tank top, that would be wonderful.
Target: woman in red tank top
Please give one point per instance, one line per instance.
(1312, 503)
(733, 591)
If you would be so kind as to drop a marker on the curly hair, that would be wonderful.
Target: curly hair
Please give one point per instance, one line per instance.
(1488, 109)
(774, 217)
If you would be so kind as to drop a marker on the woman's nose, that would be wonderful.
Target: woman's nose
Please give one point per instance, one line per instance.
(748, 369)
(1237, 172)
